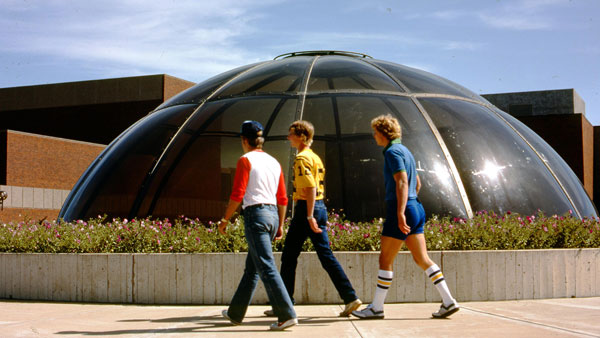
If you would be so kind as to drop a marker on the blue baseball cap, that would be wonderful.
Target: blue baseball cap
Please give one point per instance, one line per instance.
(251, 129)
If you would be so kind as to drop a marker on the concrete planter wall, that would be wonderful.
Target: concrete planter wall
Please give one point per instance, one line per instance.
(213, 278)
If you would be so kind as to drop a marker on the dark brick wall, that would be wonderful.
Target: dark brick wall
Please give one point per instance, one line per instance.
(173, 86)
(93, 123)
(19, 214)
(45, 162)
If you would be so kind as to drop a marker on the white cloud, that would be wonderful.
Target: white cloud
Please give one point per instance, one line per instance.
(514, 21)
(158, 36)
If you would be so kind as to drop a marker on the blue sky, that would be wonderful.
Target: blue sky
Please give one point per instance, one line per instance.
(488, 46)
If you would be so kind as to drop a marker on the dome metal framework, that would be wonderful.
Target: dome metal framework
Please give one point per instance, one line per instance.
(180, 159)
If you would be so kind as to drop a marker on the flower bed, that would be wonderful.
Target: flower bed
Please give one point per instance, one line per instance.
(486, 231)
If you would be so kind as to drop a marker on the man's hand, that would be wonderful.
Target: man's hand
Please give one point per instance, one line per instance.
(312, 223)
(402, 224)
(279, 233)
(223, 226)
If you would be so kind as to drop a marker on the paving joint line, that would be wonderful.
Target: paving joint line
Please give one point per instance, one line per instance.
(530, 322)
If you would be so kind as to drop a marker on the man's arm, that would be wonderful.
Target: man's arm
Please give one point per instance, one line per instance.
(311, 194)
(402, 196)
(232, 206)
(281, 211)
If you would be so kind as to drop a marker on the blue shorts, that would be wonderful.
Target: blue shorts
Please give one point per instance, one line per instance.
(415, 218)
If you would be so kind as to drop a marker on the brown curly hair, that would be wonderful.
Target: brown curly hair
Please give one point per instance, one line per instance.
(304, 130)
(388, 126)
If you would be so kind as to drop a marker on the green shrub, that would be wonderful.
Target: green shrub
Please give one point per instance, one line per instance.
(485, 231)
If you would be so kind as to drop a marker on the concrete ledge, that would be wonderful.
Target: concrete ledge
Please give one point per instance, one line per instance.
(213, 278)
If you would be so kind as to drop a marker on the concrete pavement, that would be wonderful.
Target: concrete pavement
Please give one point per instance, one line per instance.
(565, 317)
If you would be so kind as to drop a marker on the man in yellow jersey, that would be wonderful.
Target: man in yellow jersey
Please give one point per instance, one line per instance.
(310, 219)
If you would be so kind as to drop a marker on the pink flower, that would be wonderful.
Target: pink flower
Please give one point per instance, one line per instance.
(545, 229)
(367, 235)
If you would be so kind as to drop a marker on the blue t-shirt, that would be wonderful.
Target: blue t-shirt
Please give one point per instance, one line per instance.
(398, 158)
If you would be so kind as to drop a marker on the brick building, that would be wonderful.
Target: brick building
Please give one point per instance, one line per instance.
(49, 134)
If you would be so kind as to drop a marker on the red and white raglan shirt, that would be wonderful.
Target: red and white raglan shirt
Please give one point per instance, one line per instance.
(258, 180)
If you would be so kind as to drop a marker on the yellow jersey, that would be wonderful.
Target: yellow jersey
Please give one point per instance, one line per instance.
(308, 172)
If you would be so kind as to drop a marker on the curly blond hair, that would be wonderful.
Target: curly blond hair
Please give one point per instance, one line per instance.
(388, 126)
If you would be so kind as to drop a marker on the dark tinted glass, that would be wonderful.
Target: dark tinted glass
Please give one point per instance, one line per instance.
(203, 89)
(343, 73)
(499, 170)
(357, 164)
(201, 183)
(560, 168)
(418, 81)
(439, 191)
(277, 76)
(319, 110)
(115, 181)
(228, 115)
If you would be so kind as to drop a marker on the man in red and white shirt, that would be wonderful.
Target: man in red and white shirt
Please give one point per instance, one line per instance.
(259, 187)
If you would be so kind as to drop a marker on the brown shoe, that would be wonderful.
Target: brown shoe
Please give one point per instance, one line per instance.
(353, 305)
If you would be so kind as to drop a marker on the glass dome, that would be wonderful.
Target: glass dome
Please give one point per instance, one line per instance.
(180, 159)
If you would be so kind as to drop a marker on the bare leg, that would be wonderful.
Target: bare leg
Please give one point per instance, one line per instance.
(418, 248)
(389, 250)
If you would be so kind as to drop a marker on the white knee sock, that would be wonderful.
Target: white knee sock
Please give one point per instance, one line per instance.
(384, 280)
(436, 276)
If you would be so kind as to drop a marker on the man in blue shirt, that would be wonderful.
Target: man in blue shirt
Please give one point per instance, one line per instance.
(404, 222)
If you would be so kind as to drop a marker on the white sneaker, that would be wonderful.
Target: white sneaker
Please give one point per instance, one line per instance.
(353, 305)
(368, 313)
(284, 325)
(224, 313)
(446, 311)
(269, 313)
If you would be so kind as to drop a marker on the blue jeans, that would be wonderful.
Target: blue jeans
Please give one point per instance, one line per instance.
(260, 224)
(297, 234)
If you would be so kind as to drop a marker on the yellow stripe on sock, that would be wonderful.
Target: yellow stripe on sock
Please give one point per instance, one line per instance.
(436, 277)
(386, 283)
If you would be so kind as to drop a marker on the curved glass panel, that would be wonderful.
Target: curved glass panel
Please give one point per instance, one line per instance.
(319, 110)
(116, 179)
(499, 170)
(343, 73)
(560, 168)
(229, 114)
(224, 116)
(419, 81)
(439, 192)
(200, 185)
(358, 160)
(276, 76)
(203, 89)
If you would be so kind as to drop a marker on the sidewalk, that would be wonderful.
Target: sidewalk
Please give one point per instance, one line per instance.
(578, 317)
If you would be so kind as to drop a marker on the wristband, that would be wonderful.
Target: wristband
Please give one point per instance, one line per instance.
(223, 220)
(309, 217)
